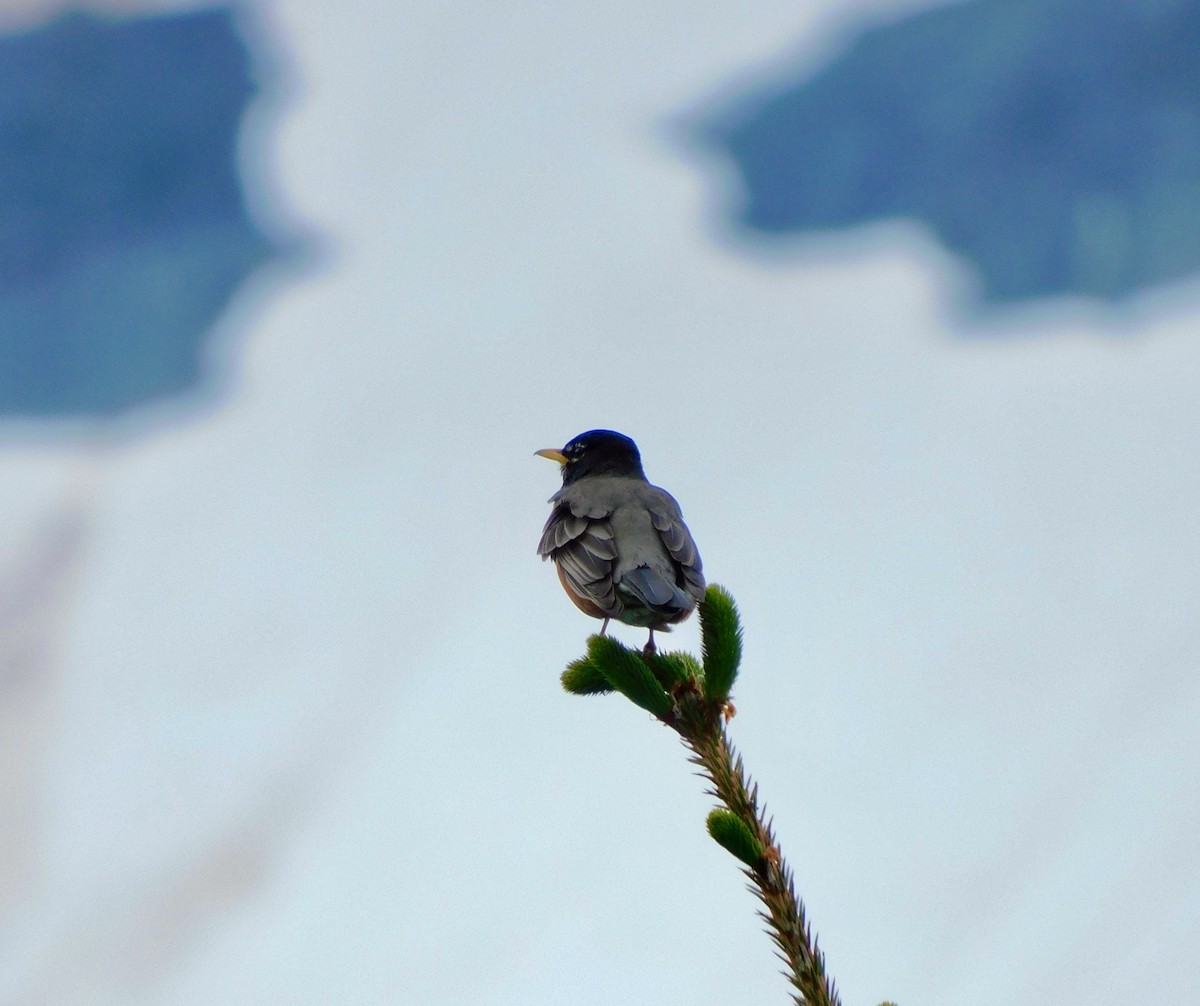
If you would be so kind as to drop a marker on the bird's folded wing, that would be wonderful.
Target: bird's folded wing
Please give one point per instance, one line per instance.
(584, 550)
(677, 540)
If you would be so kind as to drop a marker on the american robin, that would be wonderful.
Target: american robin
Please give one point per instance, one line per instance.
(620, 544)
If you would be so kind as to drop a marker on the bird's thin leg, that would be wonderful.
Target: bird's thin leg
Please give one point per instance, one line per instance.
(603, 626)
(650, 647)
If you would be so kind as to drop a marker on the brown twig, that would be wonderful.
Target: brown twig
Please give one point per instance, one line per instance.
(770, 878)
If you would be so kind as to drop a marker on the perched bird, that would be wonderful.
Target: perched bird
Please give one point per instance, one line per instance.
(620, 544)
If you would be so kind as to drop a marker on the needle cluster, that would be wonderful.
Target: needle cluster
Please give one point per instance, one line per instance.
(693, 698)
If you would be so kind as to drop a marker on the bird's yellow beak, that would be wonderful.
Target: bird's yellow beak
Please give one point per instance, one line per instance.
(553, 454)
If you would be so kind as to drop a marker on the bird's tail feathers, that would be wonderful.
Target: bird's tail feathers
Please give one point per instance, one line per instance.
(654, 590)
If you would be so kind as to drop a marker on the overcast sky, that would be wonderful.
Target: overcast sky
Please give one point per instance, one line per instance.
(297, 734)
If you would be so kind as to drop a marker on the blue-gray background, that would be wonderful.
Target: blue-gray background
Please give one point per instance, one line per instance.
(900, 301)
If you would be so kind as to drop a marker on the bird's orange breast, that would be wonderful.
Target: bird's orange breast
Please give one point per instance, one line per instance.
(584, 604)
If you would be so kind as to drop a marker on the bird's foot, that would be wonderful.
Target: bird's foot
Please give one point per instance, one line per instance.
(650, 647)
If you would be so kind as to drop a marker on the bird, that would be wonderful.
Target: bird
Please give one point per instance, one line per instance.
(619, 543)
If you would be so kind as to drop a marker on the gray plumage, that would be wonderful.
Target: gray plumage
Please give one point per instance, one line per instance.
(620, 543)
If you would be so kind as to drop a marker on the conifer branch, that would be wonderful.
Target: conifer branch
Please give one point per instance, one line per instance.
(697, 707)
(770, 877)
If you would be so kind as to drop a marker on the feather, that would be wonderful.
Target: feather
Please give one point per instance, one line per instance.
(649, 586)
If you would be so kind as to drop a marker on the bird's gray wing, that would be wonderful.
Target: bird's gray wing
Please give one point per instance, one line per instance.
(579, 539)
(677, 539)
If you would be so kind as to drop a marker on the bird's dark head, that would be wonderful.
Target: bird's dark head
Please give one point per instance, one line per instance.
(597, 452)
